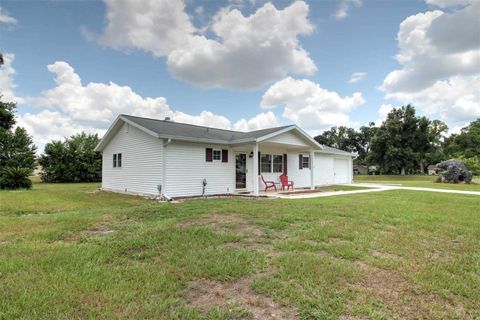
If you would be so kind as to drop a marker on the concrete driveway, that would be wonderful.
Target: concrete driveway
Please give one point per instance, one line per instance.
(373, 188)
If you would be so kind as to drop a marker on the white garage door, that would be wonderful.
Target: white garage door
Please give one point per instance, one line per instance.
(323, 170)
(340, 168)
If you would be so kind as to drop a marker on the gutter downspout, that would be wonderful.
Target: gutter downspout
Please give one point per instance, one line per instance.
(164, 169)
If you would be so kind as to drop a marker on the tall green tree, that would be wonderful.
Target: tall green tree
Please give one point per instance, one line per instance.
(17, 151)
(394, 146)
(466, 143)
(465, 146)
(436, 134)
(72, 160)
(341, 137)
(364, 142)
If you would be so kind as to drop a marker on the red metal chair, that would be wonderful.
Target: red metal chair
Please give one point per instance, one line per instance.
(285, 182)
(268, 184)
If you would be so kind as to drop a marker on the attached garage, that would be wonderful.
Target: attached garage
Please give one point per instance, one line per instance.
(168, 159)
(323, 170)
(341, 171)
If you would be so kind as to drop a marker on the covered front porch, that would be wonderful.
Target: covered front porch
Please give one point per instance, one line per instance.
(290, 153)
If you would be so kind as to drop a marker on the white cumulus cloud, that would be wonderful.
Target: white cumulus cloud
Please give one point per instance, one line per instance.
(47, 125)
(6, 18)
(96, 103)
(344, 7)
(7, 84)
(440, 58)
(71, 107)
(242, 52)
(383, 112)
(309, 105)
(260, 121)
(357, 76)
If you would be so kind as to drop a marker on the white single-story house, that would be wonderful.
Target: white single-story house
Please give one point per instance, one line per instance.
(162, 157)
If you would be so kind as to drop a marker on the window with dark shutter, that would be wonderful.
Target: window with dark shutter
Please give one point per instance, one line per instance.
(306, 162)
(119, 160)
(209, 154)
(224, 155)
(300, 161)
(259, 167)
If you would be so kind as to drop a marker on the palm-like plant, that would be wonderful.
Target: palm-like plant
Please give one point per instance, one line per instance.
(15, 178)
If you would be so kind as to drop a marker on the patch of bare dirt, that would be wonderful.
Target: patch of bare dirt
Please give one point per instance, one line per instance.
(384, 255)
(254, 237)
(205, 294)
(96, 231)
(401, 296)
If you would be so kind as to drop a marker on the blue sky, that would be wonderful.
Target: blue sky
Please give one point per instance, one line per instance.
(237, 64)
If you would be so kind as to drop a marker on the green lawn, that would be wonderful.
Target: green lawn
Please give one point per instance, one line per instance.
(68, 252)
(417, 181)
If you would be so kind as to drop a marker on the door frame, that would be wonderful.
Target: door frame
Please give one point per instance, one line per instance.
(246, 170)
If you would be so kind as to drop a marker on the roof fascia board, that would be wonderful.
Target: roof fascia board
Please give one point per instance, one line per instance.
(306, 135)
(136, 125)
(287, 129)
(341, 153)
(106, 137)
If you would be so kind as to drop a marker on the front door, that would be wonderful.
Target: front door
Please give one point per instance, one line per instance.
(241, 171)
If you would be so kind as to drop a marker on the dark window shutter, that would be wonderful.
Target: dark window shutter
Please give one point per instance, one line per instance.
(209, 154)
(115, 160)
(259, 167)
(300, 161)
(285, 170)
(224, 155)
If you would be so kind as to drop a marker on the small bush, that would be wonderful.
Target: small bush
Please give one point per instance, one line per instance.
(15, 178)
(473, 164)
(72, 160)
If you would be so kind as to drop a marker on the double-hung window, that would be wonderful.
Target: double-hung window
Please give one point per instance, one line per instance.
(266, 163)
(277, 163)
(217, 155)
(117, 160)
(305, 162)
(271, 163)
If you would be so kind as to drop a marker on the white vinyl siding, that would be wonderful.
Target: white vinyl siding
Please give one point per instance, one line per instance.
(290, 138)
(186, 168)
(141, 169)
(143, 156)
(300, 178)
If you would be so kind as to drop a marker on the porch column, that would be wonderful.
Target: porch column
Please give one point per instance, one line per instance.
(255, 170)
(312, 170)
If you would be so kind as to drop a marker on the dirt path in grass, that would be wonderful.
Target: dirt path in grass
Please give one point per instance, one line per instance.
(205, 294)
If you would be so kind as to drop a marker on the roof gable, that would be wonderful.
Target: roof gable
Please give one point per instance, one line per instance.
(165, 129)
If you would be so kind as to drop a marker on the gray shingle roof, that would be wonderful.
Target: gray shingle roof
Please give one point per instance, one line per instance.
(335, 150)
(176, 129)
(173, 129)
